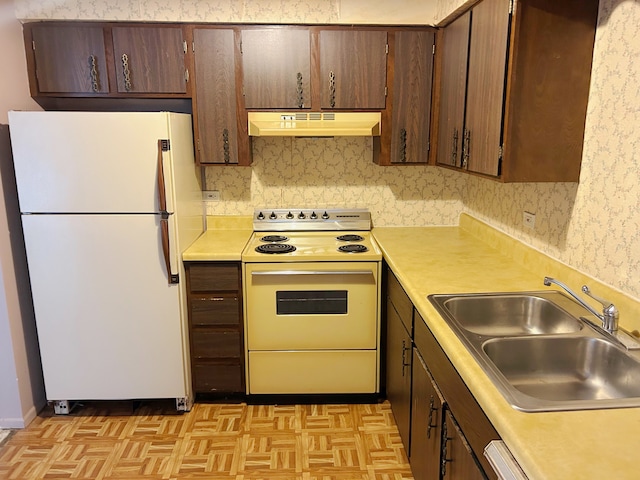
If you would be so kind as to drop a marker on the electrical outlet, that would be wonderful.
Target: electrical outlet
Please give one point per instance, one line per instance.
(529, 219)
(211, 195)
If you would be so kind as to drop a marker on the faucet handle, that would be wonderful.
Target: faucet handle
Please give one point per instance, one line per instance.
(609, 310)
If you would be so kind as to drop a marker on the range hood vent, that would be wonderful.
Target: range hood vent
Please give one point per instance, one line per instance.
(314, 124)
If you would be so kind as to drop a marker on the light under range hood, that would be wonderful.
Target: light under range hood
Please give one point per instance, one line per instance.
(314, 124)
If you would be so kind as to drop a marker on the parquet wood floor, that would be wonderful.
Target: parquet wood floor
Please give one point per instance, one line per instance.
(213, 442)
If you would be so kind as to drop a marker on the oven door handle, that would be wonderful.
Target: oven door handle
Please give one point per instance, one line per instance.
(313, 272)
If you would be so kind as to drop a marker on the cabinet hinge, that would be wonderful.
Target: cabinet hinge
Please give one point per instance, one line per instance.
(428, 146)
(198, 144)
(184, 46)
(33, 45)
(186, 75)
(386, 49)
(166, 145)
(433, 49)
(385, 91)
(193, 47)
(500, 149)
(511, 6)
(241, 52)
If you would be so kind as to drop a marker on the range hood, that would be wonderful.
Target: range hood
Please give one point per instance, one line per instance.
(314, 124)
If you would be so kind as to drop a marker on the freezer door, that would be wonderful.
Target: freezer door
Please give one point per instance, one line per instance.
(88, 162)
(109, 324)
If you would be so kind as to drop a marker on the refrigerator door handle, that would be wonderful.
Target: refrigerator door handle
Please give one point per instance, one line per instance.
(173, 278)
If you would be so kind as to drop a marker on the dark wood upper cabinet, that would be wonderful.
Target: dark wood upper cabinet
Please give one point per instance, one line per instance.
(411, 105)
(453, 84)
(353, 66)
(218, 122)
(276, 66)
(485, 91)
(527, 87)
(149, 59)
(68, 59)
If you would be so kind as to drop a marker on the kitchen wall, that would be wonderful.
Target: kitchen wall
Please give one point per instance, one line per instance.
(21, 388)
(336, 172)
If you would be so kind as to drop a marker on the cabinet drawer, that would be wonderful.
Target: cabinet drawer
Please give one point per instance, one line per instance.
(215, 310)
(214, 277)
(217, 378)
(216, 344)
(400, 301)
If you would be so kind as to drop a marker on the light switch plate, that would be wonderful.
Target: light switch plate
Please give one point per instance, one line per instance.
(529, 219)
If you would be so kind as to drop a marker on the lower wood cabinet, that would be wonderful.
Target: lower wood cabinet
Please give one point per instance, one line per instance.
(457, 459)
(426, 422)
(398, 379)
(443, 428)
(215, 327)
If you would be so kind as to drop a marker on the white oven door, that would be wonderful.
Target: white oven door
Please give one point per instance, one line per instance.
(302, 306)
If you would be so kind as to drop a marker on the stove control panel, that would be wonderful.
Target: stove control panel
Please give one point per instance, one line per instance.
(285, 219)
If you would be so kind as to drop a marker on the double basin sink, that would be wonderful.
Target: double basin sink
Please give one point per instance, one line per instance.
(541, 352)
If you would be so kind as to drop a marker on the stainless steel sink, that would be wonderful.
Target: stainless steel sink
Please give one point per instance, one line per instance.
(510, 315)
(540, 353)
(577, 371)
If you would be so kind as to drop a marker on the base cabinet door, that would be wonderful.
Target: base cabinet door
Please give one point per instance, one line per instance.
(457, 462)
(399, 373)
(426, 422)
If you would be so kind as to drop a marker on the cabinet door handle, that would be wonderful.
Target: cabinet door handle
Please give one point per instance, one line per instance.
(125, 72)
(404, 360)
(432, 410)
(454, 148)
(466, 145)
(443, 453)
(299, 90)
(93, 74)
(225, 146)
(403, 145)
(332, 89)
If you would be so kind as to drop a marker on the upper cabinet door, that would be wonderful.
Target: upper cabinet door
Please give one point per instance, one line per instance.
(276, 64)
(215, 99)
(70, 59)
(412, 82)
(149, 59)
(486, 82)
(453, 82)
(353, 66)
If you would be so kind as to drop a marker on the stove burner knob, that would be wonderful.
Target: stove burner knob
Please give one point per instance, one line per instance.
(301, 215)
(325, 215)
(261, 216)
(313, 216)
(273, 216)
(289, 215)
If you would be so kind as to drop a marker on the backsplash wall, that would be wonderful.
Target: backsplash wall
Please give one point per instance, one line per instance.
(593, 226)
(304, 172)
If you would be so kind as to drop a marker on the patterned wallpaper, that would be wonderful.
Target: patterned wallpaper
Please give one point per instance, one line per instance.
(593, 226)
(288, 172)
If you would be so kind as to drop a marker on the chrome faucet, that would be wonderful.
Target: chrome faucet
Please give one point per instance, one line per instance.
(609, 316)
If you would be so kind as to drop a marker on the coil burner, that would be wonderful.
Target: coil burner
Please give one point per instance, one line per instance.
(275, 248)
(350, 238)
(353, 248)
(274, 238)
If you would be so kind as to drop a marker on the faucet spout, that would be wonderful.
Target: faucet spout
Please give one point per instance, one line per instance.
(548, 281)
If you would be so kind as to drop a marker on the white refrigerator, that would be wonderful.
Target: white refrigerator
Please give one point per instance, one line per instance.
(109, 201)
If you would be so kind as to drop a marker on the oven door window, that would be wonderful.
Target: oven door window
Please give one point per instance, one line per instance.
(309, 302)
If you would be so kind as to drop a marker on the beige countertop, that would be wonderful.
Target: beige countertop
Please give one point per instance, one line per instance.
(476, 258)
(224, 240)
